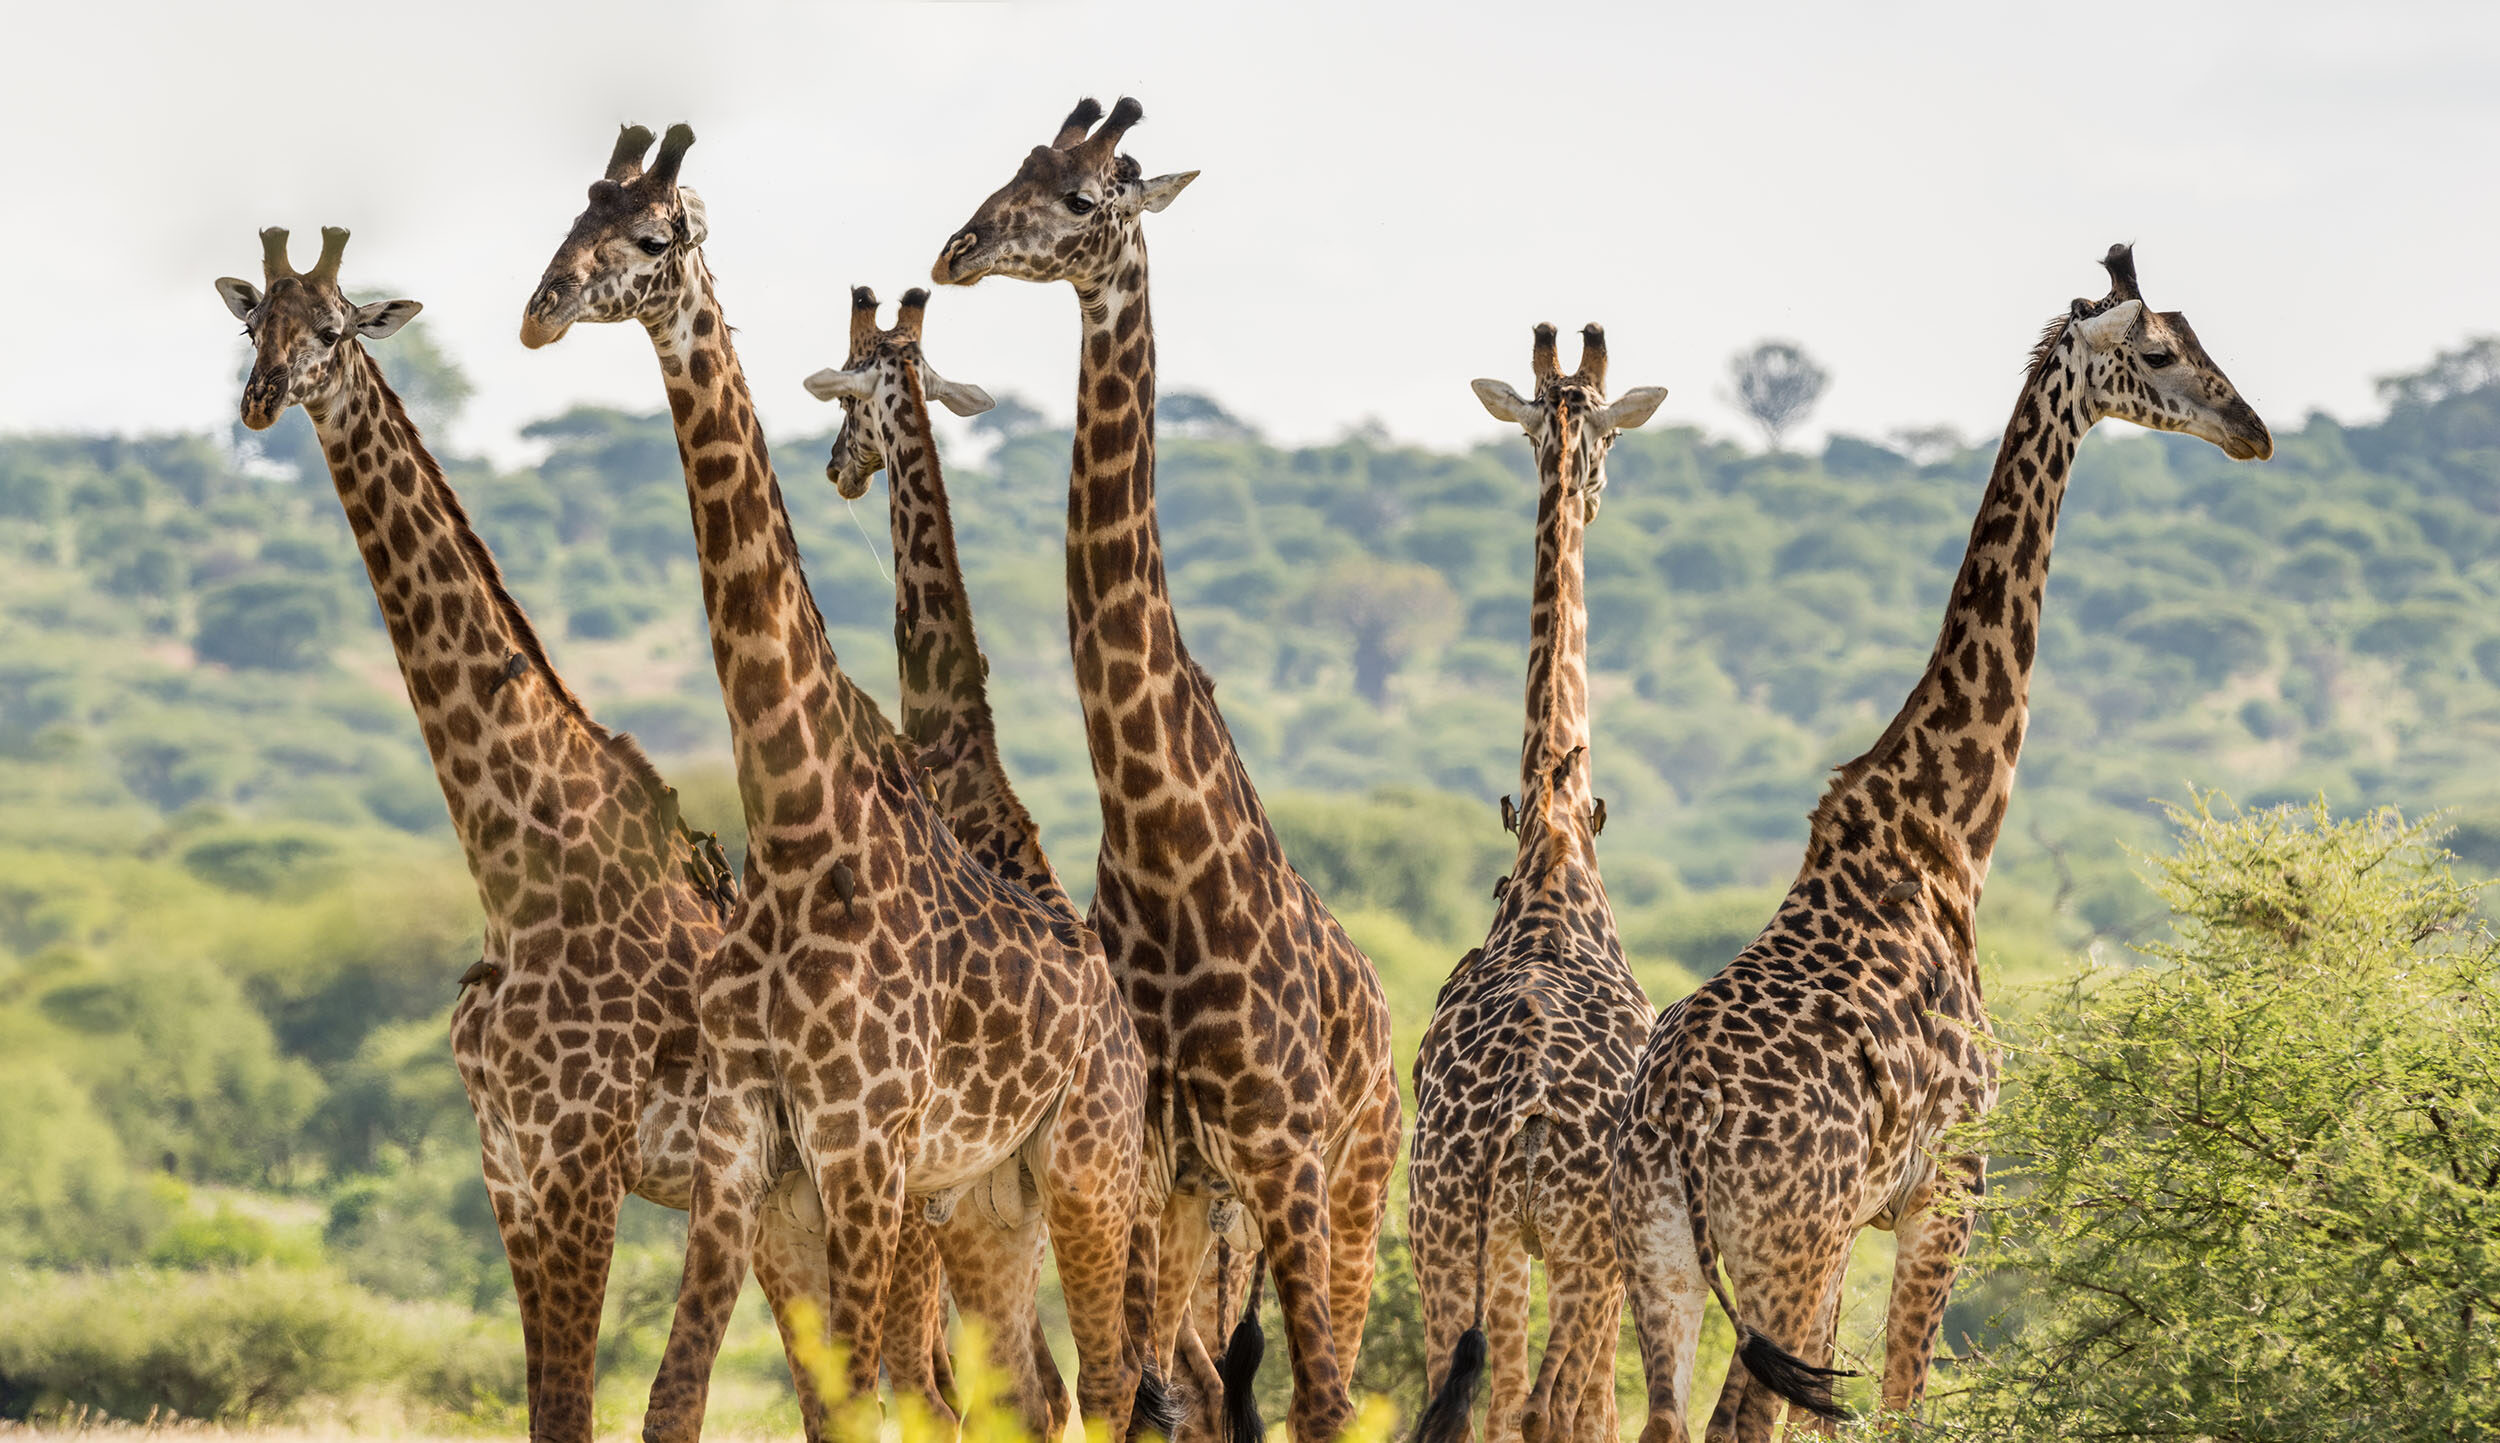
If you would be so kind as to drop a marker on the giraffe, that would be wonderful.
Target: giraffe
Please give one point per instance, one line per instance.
(1802, 1093)
(1265, 1028)
(917, 1021)
(885, 385)
(575, 1032)
(1523, 1065)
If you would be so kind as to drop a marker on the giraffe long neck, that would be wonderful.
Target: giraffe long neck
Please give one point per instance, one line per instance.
(945, 678)
(809, 744)
(511, 745)
(1152, 726)
(1948, 757)
(1553, 756)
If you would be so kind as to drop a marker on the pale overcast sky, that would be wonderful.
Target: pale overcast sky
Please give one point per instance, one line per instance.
(1391, 195)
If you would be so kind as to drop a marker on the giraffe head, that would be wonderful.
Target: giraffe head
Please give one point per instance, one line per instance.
(885, 387)
(1070, 213)
(1571, 411)
(630, 255)
(2147, 366)
(301, 327)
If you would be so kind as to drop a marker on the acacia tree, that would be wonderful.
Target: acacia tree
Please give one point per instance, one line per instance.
(2250, 1190)
(1391, 611)
(1777, 384)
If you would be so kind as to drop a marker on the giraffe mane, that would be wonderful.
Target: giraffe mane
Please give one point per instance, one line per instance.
(627, 752)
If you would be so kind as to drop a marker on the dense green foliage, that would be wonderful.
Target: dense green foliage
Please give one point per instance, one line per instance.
(2252, 1192)
(231, 917)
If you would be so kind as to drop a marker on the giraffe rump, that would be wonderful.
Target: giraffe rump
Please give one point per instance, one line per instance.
(1801, 1383)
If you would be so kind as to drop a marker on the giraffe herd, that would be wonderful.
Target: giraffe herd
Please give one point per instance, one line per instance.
(890, 1062)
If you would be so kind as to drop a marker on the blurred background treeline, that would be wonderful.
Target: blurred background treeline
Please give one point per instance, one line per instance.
(237, 1172)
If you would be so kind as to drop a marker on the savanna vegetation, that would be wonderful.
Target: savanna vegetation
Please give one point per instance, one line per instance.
(238, 1178)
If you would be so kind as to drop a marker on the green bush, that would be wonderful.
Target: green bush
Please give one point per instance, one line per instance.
(224, 1346)
(2251, 1191)
(269, 623)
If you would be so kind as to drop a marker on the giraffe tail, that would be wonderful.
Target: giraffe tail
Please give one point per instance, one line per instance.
(1804, 1386)
(1449, 1417)
(1158, 1409)
(1240, 1366)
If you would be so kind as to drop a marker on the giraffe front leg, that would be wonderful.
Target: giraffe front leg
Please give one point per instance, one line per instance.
(1291, 1200)
(721, 1228)
(863, 1191)
(516, 1222)
(1090, 1194)
(1927, 1254)
(578, 1197)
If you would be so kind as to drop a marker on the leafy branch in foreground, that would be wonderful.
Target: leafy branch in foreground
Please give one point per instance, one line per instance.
(2252, 1190)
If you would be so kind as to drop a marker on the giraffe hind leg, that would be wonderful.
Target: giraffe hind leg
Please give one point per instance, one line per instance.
(1785, 1299)
(1662, 1275)
(994, 1269)
(790, 1267)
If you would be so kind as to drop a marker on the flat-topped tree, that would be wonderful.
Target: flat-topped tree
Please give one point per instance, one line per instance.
(1523, 1065)
(917, 1021)
(885, 386)
(1798, 1096)
(577, 1042)
(1265, 1028)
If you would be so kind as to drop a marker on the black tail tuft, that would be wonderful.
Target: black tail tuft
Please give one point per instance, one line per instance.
(1158, 1409)
(1447, 1418)
(1804, 1385)
(1240, 1369)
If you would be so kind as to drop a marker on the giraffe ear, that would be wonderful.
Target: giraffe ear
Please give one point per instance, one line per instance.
(384, 318)
(240, 296)
(835, 384)
(961, 397)
(691, 217)
(1633, 408)
(1161, 190)
(2111, 326)
(1506, 404)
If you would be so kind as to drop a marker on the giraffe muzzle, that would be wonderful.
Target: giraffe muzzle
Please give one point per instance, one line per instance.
(550, 313)
(2245, 437)
(950, 270)
(264, 397)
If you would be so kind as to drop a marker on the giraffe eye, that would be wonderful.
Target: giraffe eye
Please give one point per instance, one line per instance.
(653, 245)
(2158, 359)
(329, 335)
(1079, 202)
